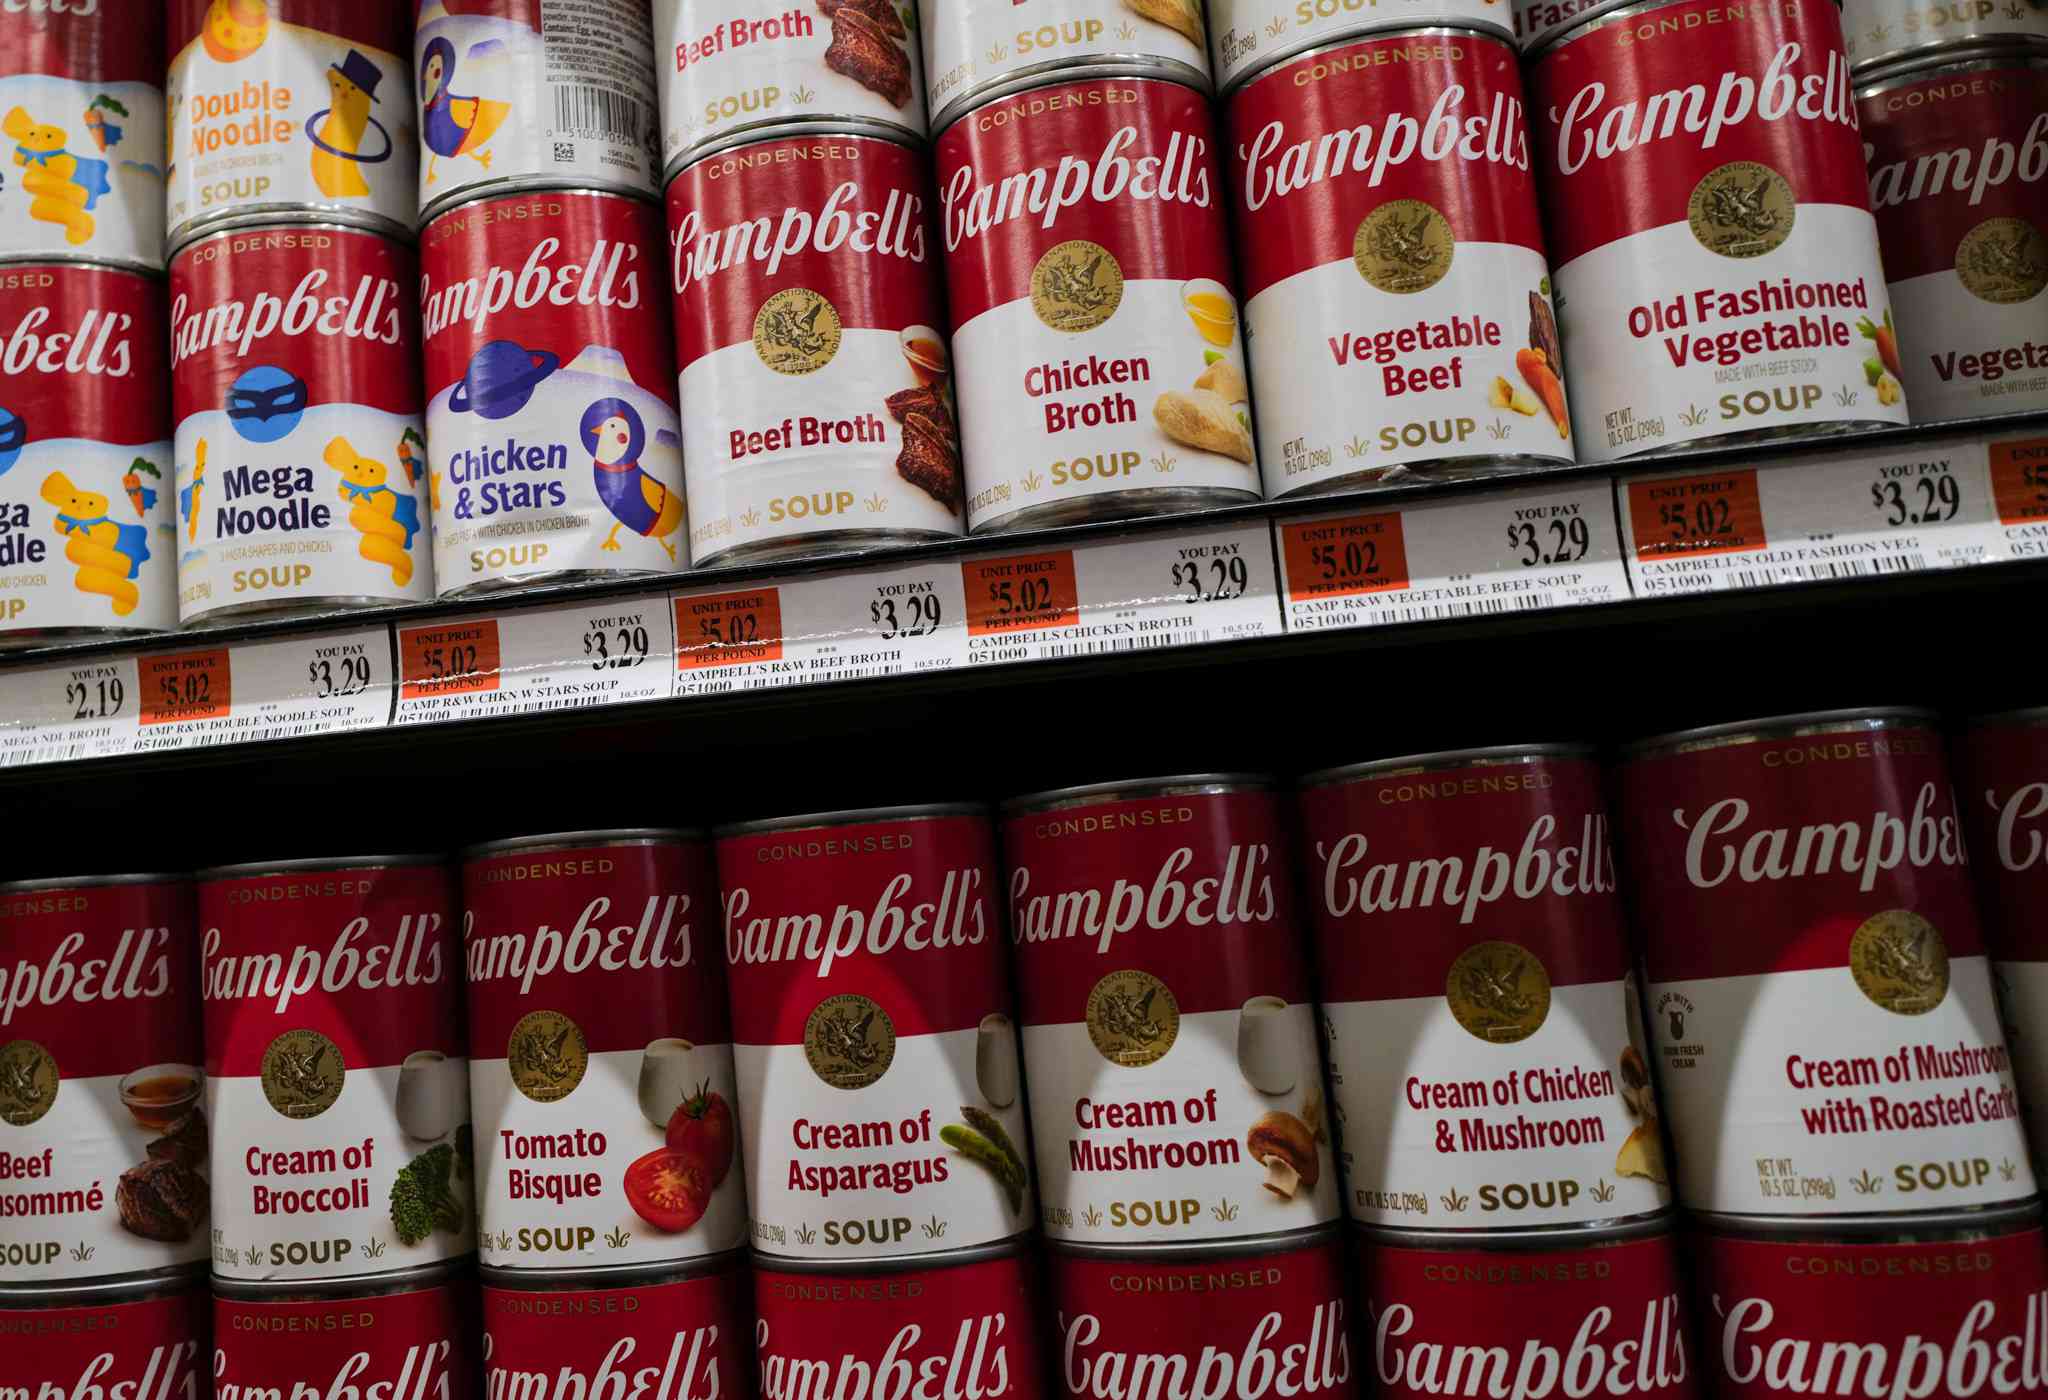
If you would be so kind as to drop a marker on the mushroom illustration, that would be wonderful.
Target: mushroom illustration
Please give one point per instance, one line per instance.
(1284, 1146)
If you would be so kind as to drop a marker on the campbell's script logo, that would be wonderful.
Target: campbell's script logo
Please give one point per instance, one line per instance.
(98, 344)
(972, 1364)
(411, 959)
(370, 310)
(688, 1370)
(896, 230)
(2021, 845)
(1240, 893)
(1960, 170)
(659, 939)
(605, 277)
(1540, 866)
(1275, 167)
(138, 967)
(953, 920)
(1720, 846)
(168, 1372)
(1311, 1360)
(1901, 1356)
(420, 1372)
(1605, 1355)
(971, 208)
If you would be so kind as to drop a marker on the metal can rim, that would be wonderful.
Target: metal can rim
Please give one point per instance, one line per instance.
(85, 882)
(1938, 51)
(1351, 39)
(1664, 1223)
(353, 1289)
(508, 187)
(1599, 16)
(1079, 73)
(1967, 55)
(307, 219)
(851, 816)
(110, 1290)
(1871, 1227)
(561, 187)
(1202, 78)
(56, 262)
(1017, 1246)
(1137, 789)
(1717, 736)
(1484, 756)
(300, 865)
(838, 128)
(643, 1275)
(579, 840)
(1196, 1251)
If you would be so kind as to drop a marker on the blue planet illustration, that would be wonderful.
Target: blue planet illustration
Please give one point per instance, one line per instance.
(500, 379)
(13, 437)
(266, 403)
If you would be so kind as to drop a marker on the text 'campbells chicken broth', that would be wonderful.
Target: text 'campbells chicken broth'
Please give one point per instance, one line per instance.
(415, 1340)
(975, 47)
(669, 1336)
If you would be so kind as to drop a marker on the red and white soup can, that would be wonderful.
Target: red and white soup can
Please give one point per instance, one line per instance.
(1820, 1002)
(336, 1085)
(102, 1134)
(974, 49)
(295, 399)
(600, 1058)
(1396, 298)
(413, 1339)
(553, 450)
(1250, 36)
(82, 106)
(816, 386)
(878, 1067)
(1958, 157)
(1095, 317)
(282, 107)
(145, 1342)
(1485, 1035)
(1711, 242)
(86, 540)
(1882, 33)
(1170, 1037)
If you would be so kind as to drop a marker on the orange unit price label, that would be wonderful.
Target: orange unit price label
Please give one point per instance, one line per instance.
(1351, 554)
(2019, 480)
(728, 629)
(1681, 516)
(1020, 593)
(185, 685)
(448, 659)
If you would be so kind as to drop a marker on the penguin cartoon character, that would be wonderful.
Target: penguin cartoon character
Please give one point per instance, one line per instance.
(615, 437)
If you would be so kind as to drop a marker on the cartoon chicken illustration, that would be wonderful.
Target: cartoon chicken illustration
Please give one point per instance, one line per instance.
(108, 552)
(63, 188)
(337, 133)
(234, 29)
(613, 432)
(453, 126)
(386, 517)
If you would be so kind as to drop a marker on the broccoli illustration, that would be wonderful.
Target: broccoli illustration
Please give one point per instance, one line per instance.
(421, 1202)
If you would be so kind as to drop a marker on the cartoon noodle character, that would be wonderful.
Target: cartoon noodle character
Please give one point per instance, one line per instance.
(234, 29)
(449, 125)
(386, 518)
(107, 552)
(62, 187)
(188, 499)
(337, 133)
(614, 434)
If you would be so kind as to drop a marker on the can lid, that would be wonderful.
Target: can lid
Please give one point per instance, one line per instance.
(190, 238)
(1992, 51)
(853, 816)
(596, 1280)
(1716, 736)
(1017, 1246)
(303, 864)
(1875, 1228)
(1134, 788)
(1494, 756)
(101, 1292)
(342, 1291)
(846, 128)
(1351, 38)
(88, 882)
(529, 186)
(1592, 1235)
(1205, 1251)
(1598, 16)
(1125, 70)
(619, 836)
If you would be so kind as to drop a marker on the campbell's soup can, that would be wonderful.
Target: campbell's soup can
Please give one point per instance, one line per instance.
(295, 396)
(1958, 157)
(600, 1058)
(1249, 36)
(523, 92)
(86, 540)
(552, 444)
(1711, 243)
(731, 68)
(817, 390)
(1276, 1319)
(1881, 33)
(673, 1335)
(1544, 1315)
(1485, 1034)
(878, 1067)
(335, 1080)
(82, 106)
(1396, 300)
(1170, 1038)
(1095, 319)
(1820, 1003)
(102, 1133)
(976, 48)
(283, 107)
(410, 1339)
(138, 1342)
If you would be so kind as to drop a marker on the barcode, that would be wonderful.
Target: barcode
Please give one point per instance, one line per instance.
(1832, 569)
(1476, 607)
(596, 111)
(1109, 645)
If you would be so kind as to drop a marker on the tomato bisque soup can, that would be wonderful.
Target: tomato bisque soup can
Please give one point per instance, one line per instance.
(409, 1339)
(878, 1066)
(1467, 919)
(145, 1341)
(1170, 1037)
(86, 542)
(1959, 179)
(335, 1077)
(600, 1060)
(1881, 33)
(295, 394)
(1249, 36)
(1101, 369)
(101, 1130)
(1819, 998)
(816, 386)
(553, 449)
(1710, 235)
(82, 106)
(1396, 295)
(518, 93)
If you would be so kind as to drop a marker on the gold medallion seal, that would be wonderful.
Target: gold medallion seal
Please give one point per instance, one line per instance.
(2003, 261)
(1899, 962)
(849, 1040)
(302, 1073)
(546, 1056)
(796, 331)
(1132, 1018)
(28, 1082)
(1405, 245)
(1076, 286)
(1741, 210)
(1499, 991)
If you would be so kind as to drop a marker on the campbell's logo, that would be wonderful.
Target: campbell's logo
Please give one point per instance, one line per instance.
(98, 344)
(1599, 1360)
(411, 959)
(1960, 169)
(1539, 866)
(660, 939)
(1240, 893)
(367, 311)
(1044, 192)
(137, 968)
(896, 230)
(953, 920)
(970, 1365)
(1719, 846)
(1976, 1358)
(605, 277)
(2020, 843)
(1275, 167)
(420, 1373)
(688, 1371)
(168, 1372)
(1259, 1366)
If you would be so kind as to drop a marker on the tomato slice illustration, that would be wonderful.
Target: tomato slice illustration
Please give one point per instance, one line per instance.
(668, 1190)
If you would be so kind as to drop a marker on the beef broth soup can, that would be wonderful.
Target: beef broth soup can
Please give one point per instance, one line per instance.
(1483, 1029)
(1820, 1004)
(877, 1056)
(1170, 1037)
(1396, 297)
(1101, 369)
(553, 449)
(134, 1343)
(1881, 33)
(101, 1128)
(1248, 36)
(1711, 243)
(816, 387)
(336, 1087)
(600, 1059)
(410, 1340)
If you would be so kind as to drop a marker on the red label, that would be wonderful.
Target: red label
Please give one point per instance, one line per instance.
(150, 1349)
(685, 1339)
(1680, 517)
(1344, 557)
(185, 685)
(2004, 785)
(82, 353)
(2019, 480)
(87, 41)
(381, 24)
(1021, 593)
(418, 1345)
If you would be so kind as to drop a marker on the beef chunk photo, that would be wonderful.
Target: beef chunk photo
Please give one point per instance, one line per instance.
(161, 1200)
(863, 50)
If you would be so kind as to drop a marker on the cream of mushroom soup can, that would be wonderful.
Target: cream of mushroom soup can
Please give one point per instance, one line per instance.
(143, 1341)
(1824, 1032)
(1881, 33)
(407, 1339)
(1249, 36)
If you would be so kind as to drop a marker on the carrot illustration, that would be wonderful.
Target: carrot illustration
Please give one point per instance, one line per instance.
(1885, 338)
(1543, 379)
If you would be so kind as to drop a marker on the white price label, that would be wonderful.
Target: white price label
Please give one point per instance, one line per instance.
(535, 660)
(290, 688)
(70, 713)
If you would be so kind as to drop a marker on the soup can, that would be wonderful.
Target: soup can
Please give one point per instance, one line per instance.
(1880, 33)
(1170, 1037)
(139, 1341)
(82, 106)
(335, 1078)
(600, 1058)
(290, 107)
(1711, 243)
(553, 450)
(1485, 1033)
(405, 1339)
(1819, 998)
(1250, 36)
(975, 48)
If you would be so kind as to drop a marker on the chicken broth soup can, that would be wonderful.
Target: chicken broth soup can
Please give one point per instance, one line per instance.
(600, 1061)
(1820, 1004)
(1170, 1038)
(413, 1339)
(1483, 1029)
(1882, 33)
(1711, 243)
(877, 1057)
(133, 1343)
(335, 1080)
(1249, 36)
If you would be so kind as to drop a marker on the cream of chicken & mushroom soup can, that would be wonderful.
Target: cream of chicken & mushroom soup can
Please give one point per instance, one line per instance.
(1485, 1039)
(1712, 250)
(409, 1337)
(1825, 1036)
(1882, 33)
(1250, 36)
(145, 1340)
(1397, 303)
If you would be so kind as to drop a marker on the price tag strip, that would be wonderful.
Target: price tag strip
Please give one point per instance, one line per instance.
(534, 661)
(288, 688)
(2019, 491)
(67, 714)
